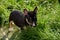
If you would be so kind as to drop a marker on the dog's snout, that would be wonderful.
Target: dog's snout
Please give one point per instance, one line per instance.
(33, 24)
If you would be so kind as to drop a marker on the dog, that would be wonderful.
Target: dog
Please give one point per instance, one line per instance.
(19, 19)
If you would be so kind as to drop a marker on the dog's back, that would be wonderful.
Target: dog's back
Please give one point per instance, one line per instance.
(17, 17)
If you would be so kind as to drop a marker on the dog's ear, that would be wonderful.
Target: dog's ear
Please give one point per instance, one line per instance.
(35, 10)
(25, 10)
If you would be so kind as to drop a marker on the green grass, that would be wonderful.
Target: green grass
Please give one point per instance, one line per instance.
(48, 20)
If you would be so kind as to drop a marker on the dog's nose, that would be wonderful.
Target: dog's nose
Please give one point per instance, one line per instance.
(33, 24)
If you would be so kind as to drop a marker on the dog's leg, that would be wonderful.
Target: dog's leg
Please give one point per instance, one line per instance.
(10, 25)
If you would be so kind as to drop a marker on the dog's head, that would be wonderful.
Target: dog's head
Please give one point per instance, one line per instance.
(32, 16)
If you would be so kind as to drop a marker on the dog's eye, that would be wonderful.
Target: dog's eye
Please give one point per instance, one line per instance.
(34, 17)
(30, 17)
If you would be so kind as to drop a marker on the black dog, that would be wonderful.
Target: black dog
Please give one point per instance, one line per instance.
(19, 19)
